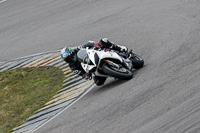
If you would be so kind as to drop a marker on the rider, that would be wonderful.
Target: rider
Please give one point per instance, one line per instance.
(69, 55)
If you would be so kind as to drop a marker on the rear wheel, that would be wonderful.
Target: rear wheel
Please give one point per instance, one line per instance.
(137, 61)
(121, 73)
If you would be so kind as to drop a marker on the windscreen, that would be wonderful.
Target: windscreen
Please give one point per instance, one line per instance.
(81, 55)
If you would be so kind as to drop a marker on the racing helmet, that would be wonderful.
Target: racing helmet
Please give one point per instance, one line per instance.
(68, 55)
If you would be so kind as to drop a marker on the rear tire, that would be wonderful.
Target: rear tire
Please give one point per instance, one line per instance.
(137, 61)
(117, 74)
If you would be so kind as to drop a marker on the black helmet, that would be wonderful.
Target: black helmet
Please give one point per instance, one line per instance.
(68, 55)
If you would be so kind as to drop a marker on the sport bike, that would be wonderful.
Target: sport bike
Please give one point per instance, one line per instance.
(109, 63)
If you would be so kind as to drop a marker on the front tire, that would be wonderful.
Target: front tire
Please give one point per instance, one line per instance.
(121, 74)
(99, 80)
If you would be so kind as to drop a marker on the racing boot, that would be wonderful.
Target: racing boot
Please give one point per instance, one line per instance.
(107, 44)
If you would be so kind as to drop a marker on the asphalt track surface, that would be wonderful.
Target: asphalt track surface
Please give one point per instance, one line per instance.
(162, 97)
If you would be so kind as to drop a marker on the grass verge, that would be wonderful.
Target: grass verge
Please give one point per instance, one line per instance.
(23, 91)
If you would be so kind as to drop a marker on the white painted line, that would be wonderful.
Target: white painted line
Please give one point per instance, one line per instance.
(1, 1)
(65, 108)
(29, 56)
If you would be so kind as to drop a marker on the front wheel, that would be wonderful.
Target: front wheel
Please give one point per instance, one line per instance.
(121, 73)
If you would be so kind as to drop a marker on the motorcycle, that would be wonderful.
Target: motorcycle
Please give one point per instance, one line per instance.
(109, 63)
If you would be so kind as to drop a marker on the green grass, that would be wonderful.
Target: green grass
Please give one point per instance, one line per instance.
(23, 91)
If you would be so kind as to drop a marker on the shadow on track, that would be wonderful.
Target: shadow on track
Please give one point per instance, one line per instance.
(110, 85)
